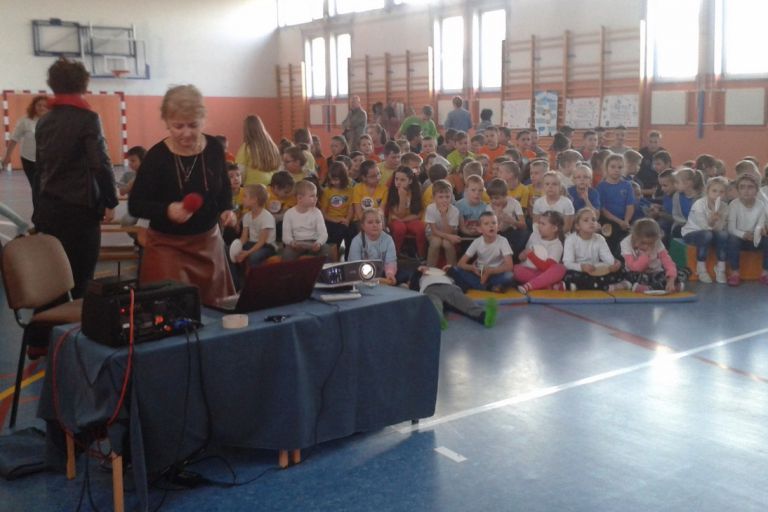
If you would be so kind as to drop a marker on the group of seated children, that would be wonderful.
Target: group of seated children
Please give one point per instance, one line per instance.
(507, 219)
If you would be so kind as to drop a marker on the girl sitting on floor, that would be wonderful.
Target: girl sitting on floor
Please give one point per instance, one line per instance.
(373, 244)
(647, 263)
(541, 269)
(587, 258)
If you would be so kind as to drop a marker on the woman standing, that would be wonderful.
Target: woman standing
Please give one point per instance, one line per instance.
(75, 179)
(24, 135)
(183, 189)
(259, 156)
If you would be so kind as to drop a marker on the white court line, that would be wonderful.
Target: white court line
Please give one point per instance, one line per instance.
(446, 452)
(424, 425)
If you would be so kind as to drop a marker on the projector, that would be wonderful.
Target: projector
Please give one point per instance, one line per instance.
(349, 272)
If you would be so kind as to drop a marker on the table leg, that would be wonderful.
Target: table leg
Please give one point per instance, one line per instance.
(118, 498)
(70, 457)
(282, 459)
(296, 456)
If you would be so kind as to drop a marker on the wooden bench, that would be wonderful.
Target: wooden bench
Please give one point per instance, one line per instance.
(684, 255)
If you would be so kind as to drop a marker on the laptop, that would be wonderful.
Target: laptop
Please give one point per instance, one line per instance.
(277, 284)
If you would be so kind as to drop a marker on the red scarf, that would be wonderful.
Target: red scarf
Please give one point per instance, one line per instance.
(73, 100)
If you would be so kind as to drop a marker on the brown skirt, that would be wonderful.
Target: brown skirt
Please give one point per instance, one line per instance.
(195, 259)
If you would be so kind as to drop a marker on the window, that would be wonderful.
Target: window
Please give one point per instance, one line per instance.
(449, 49)
(314, 59)
(673, 29)
(347, 6)
(341, 50)
(492, 31)
(294, 12)
(742, 23)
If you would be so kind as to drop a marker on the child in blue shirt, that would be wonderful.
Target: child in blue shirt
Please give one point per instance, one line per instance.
(581, 193)
(690, 185)
(471, 206)
(618, 203)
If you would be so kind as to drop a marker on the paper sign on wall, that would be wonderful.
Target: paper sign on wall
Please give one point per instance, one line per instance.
(516, 113)
(620, 110)
(582, 113)
(545, 113)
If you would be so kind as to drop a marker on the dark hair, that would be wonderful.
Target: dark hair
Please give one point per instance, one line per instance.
(557, 219)
(497, 187)
(486, 114)
(137, 151)
(302, 135)
(222, 139)
(704, 161)
(437, 172)
(664, 156)
(393, 198)
(391, 147)
(426, 110)
(344, 160)
(337, 170)
(365, 167)
(68, 77)
(232, 167)
(457, 101)
(281, 179)
(343, 140)
(521, 133)
(413, 130)
(355, 154)
(560, 142)
(450, 134)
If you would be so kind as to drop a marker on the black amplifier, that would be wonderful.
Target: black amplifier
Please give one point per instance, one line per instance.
(160, 309)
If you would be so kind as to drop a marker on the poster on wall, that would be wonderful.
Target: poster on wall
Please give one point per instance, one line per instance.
(620, 110)
(545, 113)
(516, 113)
(582, 113)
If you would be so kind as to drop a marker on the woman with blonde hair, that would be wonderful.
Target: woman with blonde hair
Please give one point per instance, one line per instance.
(183, 189)
(258, 156)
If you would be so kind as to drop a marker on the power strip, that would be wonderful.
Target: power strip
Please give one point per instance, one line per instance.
(333, 297)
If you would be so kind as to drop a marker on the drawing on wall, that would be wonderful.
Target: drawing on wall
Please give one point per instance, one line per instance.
(516, 113)
(582, 113)
(620, 110)
(545, 113)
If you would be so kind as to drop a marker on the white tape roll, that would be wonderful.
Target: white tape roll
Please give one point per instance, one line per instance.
(234, 321)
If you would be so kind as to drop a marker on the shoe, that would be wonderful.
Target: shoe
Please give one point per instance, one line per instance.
(680, 287)
(640, 288)
(734, 280)
(720, 276)
(701, 271)
(764, 279)
(523, 289)
(559, 287)
(573, 287)
(443, 323)
(491, 308)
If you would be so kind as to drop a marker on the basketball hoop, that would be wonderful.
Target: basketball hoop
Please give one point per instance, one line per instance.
(120, 73)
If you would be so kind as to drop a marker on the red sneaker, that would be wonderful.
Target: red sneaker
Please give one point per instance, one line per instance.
(734, 279)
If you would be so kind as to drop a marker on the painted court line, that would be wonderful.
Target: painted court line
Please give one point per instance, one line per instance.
(661, 358)
(24, 383)
(446, 452)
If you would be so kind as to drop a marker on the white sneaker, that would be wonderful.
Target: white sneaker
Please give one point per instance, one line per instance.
(720, 276)
(701, 271)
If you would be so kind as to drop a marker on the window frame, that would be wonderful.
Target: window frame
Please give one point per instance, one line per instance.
(437, 38)
(480, 47)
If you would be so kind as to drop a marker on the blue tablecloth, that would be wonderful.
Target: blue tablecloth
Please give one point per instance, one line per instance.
(326, 372)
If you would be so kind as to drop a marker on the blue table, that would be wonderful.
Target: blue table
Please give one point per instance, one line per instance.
(326, 372)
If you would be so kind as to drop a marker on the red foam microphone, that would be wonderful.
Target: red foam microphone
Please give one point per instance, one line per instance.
(192, 202)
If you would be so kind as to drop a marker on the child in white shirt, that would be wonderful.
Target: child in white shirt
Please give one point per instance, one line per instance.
(304, 230)
(746, 218)
(706, 226)
(587, 258)
(492, 269)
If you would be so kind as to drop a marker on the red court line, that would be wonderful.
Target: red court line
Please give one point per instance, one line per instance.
(650, 344)
(5, 405)
(640, 341)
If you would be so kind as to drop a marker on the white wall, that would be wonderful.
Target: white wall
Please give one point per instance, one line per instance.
(226, 48)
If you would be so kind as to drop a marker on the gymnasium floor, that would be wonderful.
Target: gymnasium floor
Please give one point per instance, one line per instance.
(568, 408)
